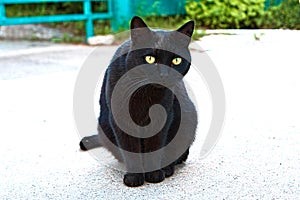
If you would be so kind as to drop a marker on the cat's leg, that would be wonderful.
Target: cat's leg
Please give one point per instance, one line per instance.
(169, 170)
(133, 161)
(182, 158)
(89, 142)
(154, 162)
(134, 176)
(125, 148)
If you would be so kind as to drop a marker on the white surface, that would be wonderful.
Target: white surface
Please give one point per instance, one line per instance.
(257, 157)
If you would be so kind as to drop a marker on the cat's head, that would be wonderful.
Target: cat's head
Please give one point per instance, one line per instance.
(158, 48)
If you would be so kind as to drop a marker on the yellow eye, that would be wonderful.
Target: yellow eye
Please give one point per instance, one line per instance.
(177, 61)
(150, 59)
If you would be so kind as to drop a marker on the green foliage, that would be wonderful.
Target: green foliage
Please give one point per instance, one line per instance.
(165, 22)
(171, 23)
(226, 13)
(198, 34)
(207, 13)
(285, 15)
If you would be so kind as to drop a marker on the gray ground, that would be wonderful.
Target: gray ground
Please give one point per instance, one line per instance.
(257, 156)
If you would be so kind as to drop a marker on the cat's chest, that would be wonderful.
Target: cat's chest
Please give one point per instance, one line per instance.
(148, 95)
(141, 101)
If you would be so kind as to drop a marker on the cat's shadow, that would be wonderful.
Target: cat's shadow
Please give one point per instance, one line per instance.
(104, 157)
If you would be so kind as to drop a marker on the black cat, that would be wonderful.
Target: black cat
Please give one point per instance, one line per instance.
(161, 51)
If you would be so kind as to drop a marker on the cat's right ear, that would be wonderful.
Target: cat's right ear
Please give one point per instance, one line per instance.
(137, 22)
(187, 29)
(139, 30)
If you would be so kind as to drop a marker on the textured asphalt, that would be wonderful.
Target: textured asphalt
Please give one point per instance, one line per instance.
(257, 156)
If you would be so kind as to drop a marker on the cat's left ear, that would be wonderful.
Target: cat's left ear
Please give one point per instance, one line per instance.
(139, 30)
(187, 28)
(137, 22)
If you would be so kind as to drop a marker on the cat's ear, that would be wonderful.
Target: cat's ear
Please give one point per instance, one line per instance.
(137, 22)
(139, 31)
(187, 28)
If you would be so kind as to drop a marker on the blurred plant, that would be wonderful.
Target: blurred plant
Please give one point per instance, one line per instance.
(198, 34)
(285, 15)
(226, 13)
(165, 22)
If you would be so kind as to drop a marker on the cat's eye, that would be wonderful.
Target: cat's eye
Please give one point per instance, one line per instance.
(177, 61)
(150, 59)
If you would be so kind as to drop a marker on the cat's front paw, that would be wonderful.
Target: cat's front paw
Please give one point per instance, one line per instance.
(155, 176)
(169, 170)
(133, 179)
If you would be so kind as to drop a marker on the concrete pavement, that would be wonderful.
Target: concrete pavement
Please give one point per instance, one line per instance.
(257, 157)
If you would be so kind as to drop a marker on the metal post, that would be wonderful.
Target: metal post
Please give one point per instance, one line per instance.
(89, 27)
(122, 14)
(2, 13)
(111, 14)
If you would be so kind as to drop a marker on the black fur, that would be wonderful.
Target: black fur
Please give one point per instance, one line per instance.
(127, 57)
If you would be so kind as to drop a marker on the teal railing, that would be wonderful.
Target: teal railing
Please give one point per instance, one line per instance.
(119, 12)
(88, 16)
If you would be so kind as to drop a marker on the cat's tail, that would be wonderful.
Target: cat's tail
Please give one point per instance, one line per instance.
(90, 142)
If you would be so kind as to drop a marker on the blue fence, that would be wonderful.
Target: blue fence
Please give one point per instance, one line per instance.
(119, 12)
(88, 16)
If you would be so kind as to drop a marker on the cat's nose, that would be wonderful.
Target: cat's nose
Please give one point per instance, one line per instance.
(163, 72)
